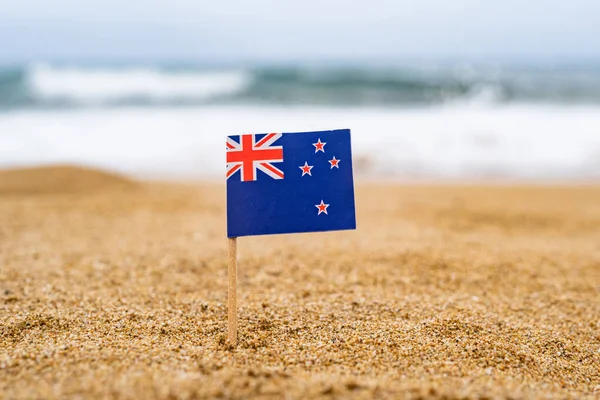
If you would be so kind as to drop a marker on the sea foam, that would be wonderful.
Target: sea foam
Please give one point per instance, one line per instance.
(450, 142)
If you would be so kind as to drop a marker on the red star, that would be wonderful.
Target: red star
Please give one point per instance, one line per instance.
(322, 207)
(334, 163)
(306, 168)
(319, 146)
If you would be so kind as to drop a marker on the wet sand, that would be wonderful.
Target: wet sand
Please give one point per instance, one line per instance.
(116, 289)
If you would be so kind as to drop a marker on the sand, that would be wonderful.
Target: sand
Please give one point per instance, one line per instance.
(118, 290)
(60, 179)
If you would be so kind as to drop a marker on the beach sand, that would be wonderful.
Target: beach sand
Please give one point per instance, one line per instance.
(116, 289)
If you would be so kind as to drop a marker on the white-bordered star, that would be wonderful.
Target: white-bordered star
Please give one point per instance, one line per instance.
(334, 163)
(322, 207)
(319, 146)
(306, 168)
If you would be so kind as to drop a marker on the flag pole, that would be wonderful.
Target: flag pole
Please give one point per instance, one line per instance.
(232, 297)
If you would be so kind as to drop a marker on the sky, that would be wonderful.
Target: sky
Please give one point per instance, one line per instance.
(37, 30)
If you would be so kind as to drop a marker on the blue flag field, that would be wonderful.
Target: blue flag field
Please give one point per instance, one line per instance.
(289, 183)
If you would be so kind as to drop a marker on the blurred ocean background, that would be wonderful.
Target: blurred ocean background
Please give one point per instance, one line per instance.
(47, 86)
(431, 89)
(410, 120)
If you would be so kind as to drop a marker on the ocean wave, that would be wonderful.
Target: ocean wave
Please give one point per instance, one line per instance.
(60, 86)
(102, 85)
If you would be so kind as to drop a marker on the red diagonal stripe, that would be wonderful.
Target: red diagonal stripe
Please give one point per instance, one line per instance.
(265, 139)
(272, 169)
(233, 170)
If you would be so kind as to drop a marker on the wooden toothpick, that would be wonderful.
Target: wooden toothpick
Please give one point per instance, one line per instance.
(232, 298)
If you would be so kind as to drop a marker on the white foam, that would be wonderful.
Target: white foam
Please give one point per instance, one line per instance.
(90, 86)
(448, 142)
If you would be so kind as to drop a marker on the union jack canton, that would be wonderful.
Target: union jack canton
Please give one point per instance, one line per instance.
(248, 155)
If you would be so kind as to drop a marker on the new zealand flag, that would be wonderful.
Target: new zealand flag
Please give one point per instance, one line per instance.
(289, 183)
